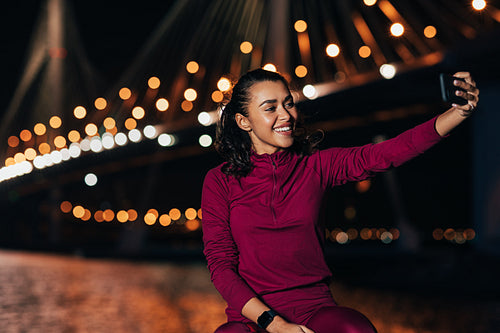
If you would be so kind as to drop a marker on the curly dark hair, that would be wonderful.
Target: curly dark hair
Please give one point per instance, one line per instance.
(234, 144)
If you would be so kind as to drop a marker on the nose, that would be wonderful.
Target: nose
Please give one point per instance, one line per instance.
(283, 113)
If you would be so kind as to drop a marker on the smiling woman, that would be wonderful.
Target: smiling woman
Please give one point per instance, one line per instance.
(262, 230)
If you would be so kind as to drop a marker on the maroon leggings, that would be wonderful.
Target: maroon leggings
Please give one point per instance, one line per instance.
(311, 306)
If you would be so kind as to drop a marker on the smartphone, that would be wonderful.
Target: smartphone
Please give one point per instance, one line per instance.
(448, 89)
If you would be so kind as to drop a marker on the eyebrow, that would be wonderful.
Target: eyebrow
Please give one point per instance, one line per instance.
(272, 101)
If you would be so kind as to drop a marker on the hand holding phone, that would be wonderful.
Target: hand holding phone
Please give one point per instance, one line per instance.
(448, 89)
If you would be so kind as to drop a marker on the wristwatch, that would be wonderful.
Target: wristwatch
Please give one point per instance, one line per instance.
(266, 318)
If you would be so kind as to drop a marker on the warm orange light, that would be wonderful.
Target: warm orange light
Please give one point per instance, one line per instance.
(192, 225)
(108, 215)
(124, 93)
(40, 129)
(199, 214)
(122, 216)
(74, 136)
(154, 82)
(174, 214)
(270, 68)
(363, 185)
(246, 47)
(130, 124)
(66, 206)
(78, 211)
(301, 71)
(59, 141)
(300, 26)
(190, 94)
(186, 106)
(352, 233)
(165, 220)
(438, 234)
(30, 154)
(162, 104)
(10, 161)
(138, 112)
(99, 216)
(365, 233)
(224, 84)
(55, 122)
(364, 51)
(25, 135)
(192, 67)
(397, 29)
(79, 112)
(190, 213)
(132, 214)
(217, 96)
(19, 157)
(86, 215)
(13, 141)
(109, 123)
(113, 130)
(154, 212)
(449, 234)
(150, 219)
(100, 103)
(469, 234)
(91, 129)
(395, 233)
(370, 2)
(332, 50)
(430, 31)
(44, 148)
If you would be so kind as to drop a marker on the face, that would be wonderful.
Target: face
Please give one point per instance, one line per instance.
(271, 117)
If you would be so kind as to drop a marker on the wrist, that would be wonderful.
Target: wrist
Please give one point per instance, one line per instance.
(276, 324)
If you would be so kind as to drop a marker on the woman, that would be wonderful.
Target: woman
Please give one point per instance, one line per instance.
(261, 231)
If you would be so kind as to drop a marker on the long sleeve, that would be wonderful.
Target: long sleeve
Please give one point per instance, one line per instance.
(340, 165)
(220, 249)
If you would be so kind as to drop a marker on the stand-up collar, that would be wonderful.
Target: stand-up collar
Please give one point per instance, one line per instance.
(278, 158)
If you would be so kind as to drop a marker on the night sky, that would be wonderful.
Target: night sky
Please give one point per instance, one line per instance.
(112, 32)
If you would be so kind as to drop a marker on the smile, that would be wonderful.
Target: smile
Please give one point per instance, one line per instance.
(283, 129)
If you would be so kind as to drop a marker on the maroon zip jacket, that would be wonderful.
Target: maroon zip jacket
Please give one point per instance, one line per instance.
(262, 233)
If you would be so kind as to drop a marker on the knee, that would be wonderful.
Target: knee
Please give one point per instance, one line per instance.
(340, 319)
(232, 328)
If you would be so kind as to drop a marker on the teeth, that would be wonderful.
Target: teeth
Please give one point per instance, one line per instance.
(283, 129)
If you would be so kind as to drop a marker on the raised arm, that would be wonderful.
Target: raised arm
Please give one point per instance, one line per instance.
(447, 121)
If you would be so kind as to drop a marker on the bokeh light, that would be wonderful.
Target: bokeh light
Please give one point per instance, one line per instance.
(364, 51)
(162, 104)
(13, 141)
(154, 82)
(90, 179)
(79, 112)
(301, 71)
(138, 112)
(25, 135)
(205, 140)
(246, 47)
(332, 50)
(40, 129)
(430, 31)
(91, 129)
(125, 93)
(270, 68)
(397, 29)
(192, 67)
(300, 26)
(100, 103)
(224, 84)
(190, 94)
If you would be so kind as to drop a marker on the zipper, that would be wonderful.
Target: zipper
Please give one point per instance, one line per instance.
(274, 191)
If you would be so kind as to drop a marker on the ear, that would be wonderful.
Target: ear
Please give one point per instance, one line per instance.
(243, 122)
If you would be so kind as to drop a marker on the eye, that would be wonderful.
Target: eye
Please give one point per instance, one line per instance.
(271, 108)
(289, 104)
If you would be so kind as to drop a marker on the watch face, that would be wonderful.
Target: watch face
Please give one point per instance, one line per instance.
(266, 318)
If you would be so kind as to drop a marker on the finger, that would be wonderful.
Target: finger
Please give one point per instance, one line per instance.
(469, 87)
(465, 95)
